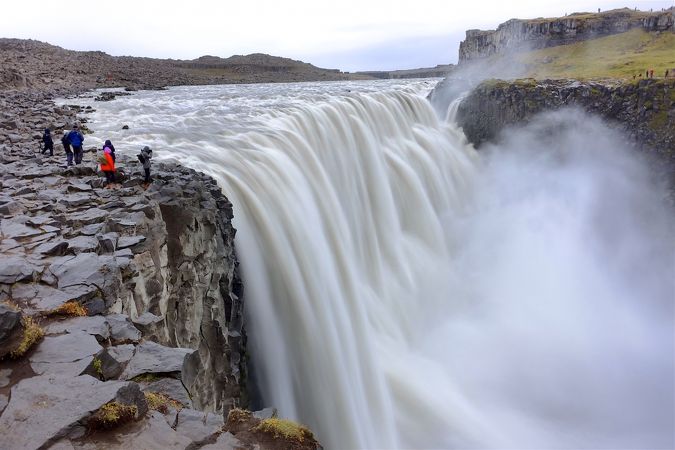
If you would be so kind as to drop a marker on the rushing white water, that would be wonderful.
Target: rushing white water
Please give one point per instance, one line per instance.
(405, 292)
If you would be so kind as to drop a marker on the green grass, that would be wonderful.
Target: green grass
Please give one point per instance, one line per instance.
(617, 56)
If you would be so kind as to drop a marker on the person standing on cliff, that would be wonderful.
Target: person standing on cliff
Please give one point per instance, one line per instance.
(66, 147)
(48, 142)
(111, 147)
(108, 167)
(144, 157)
(76, 139)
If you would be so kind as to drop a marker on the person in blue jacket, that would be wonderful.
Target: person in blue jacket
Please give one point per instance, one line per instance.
(76, 140)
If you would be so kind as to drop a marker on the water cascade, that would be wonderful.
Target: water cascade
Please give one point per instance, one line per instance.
(404, 291)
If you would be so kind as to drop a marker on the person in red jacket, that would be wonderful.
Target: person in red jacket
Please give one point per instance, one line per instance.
(108, 167)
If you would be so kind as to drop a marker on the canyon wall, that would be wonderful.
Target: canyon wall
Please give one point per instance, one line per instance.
(522, 35)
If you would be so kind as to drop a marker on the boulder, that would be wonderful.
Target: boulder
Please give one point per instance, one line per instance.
(154, 358)
(122, 331)
(11, 332)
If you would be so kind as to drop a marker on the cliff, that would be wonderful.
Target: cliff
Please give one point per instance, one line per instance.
(518, 35)
(643, 110)
(121, 310)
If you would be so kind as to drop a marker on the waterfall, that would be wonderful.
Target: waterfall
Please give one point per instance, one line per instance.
(404, 291)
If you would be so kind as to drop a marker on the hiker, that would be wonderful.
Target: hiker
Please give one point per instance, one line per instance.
(76, 139)
(667, 73)
(144, 157)
(111, 147)
(66, 147)
(108, 167)
(49, 143)
(651, 73)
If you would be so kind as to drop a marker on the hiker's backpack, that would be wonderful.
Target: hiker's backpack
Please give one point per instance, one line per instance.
(141, 158)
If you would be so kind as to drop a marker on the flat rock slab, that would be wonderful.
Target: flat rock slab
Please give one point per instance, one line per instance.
(83, 244)
(69, 354)
(16, 230)
(39, 296)
(16, 268)
(154, 358)
(87, 270)
(129, 241)
(97, 326)
(43, 409)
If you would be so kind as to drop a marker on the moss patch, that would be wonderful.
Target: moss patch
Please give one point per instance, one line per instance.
(112, 415)
(282, 428)
(146, 378)
(68, 309)
(160, 402)
(32, 334)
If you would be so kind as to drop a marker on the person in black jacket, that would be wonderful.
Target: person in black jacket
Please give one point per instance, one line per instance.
(48, 142)
(66, 146)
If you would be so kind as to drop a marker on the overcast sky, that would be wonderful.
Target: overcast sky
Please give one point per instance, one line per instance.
(344, 34)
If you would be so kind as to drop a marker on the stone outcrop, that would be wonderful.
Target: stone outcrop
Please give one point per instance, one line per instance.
(644, 110)
(522, 35)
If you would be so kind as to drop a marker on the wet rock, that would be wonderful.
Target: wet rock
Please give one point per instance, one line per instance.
(88, 217)
(74, 200)
(9, 207)
(266, 413)
(154, 358)
(108, 242)
(12, 229)
(87, 274)
(62, 402)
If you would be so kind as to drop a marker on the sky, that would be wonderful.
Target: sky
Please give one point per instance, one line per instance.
(349, 35)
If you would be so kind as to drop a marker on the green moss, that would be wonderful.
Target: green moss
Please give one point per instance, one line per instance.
(96, 363)
(146, 378)
(282, 428)
(111, 415)
(160, 402)
(32, 334)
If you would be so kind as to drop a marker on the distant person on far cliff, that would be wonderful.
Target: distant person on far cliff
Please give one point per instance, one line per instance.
(108, 167)
(111, 147)
(66, 147)
(48, 142)
(144, 157)
(76, 139)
